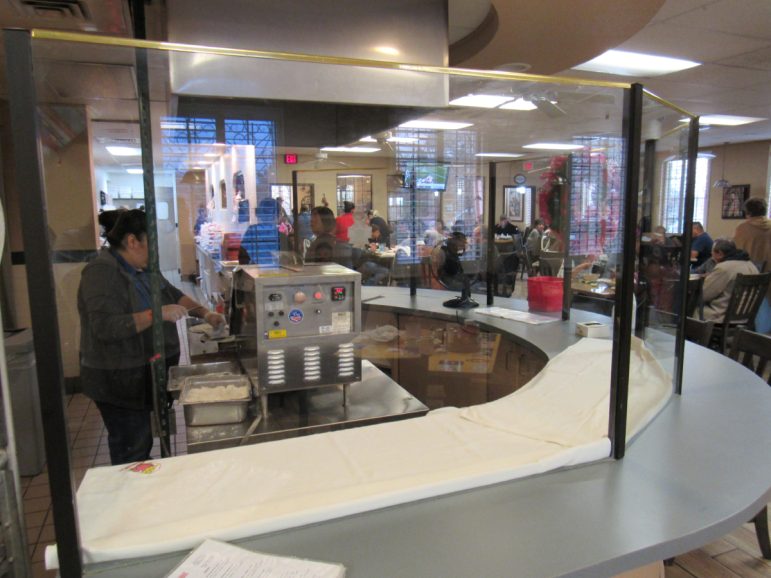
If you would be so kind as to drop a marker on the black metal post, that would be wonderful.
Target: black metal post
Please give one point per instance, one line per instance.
(685, 255)
(42, 294)
(158, 361)
(565, 223)
(490, 276)
(296, 215)
(623, 311)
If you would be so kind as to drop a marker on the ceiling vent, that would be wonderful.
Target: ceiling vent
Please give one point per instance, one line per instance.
(55, 10)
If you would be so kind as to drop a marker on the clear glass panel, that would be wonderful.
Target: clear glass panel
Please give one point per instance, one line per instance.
(663, 175)
(253, 161)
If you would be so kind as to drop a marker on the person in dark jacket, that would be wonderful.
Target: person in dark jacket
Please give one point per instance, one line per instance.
(114, 303)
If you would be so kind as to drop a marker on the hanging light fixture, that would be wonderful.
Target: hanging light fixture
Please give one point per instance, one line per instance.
(722, 183)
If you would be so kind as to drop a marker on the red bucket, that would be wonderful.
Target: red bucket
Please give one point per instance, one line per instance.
(544, 293)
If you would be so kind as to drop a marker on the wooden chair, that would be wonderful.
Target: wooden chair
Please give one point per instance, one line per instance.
(698, 331)
(752, 350)
(748, 347)
(747, 295)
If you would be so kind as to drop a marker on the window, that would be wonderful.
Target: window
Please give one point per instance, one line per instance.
(354, 188)
(673, 193)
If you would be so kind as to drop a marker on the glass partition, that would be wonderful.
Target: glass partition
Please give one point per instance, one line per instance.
(664, 234)
(487, 236)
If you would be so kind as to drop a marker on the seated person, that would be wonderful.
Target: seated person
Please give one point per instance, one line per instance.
(435, 235)
(379, 238)
(447, 264)
(323, 225)
(701, 245)
(374, 218)
(718, 285)
(505, 227)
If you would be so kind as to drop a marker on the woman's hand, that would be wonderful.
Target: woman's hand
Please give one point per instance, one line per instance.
(214, 319)
(173, 313)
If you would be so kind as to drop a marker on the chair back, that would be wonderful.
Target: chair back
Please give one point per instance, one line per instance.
(746, 298)
(693, 298)
(698, 331)
(752, 350)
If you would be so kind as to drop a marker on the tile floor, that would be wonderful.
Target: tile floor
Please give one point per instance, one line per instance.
(88, 447)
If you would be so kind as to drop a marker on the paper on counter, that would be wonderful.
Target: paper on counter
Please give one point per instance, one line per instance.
(214, 559)
(513, 315)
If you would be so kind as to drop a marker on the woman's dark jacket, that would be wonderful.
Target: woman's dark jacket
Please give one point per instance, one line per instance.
(113, 356)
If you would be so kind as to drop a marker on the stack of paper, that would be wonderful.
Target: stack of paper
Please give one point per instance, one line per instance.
(214, 559)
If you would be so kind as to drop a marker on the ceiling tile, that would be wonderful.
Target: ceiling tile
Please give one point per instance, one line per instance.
(750, 18)
(758, 59)
(690, 43)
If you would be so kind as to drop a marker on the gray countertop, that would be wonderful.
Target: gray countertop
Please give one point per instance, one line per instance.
(698, 471)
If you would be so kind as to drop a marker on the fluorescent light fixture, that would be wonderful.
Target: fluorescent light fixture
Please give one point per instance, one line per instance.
(387, 50)
(350, 149)
(173, 125)
(367, 139)
(480, 100)
(553, 146)
(435, 124)
(635, 64)
(124, 151)
(402, 139)
(500, 155)
(211, 154)
(135, 171)
(725, 120)
(519, 104)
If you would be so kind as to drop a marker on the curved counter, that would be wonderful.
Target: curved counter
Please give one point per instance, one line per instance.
(698, 470)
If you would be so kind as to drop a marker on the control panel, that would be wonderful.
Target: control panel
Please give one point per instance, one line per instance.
(308, 309)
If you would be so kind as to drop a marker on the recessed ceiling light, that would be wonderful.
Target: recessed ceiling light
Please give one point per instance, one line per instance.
(135, 171)
(480, 100)
(724, 120)
(553, 146)
(500, 155)
(173, 125)
(350, 149)
(388, 50)
(402, 139)
(211, 154)
(124, 151)
(367, 139)
(635, 64)
(435, 124)
(519, 104)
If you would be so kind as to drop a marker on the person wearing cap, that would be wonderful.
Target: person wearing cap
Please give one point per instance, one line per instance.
(344, 222)
(116, 339)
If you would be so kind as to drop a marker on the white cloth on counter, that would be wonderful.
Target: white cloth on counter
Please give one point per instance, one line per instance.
(559, 419)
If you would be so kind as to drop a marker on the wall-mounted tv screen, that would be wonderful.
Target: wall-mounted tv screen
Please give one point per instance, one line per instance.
(432, 177)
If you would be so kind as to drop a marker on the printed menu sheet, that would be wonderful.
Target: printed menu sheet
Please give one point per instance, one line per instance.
(215, 559)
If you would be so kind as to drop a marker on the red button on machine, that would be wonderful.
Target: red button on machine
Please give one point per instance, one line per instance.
(318, 295)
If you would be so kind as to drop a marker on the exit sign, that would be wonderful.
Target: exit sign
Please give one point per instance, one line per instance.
(290, 159)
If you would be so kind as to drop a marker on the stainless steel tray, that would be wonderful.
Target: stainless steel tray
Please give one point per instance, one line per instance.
(209, 400)
(179, 373)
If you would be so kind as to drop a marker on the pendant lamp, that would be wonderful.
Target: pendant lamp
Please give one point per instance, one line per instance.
(722, 183)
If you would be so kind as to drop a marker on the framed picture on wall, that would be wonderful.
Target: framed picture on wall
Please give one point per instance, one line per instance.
(306, 196)
(733, 201)
(514, 198)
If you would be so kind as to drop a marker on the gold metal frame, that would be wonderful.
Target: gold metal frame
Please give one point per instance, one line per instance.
(43, 34)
